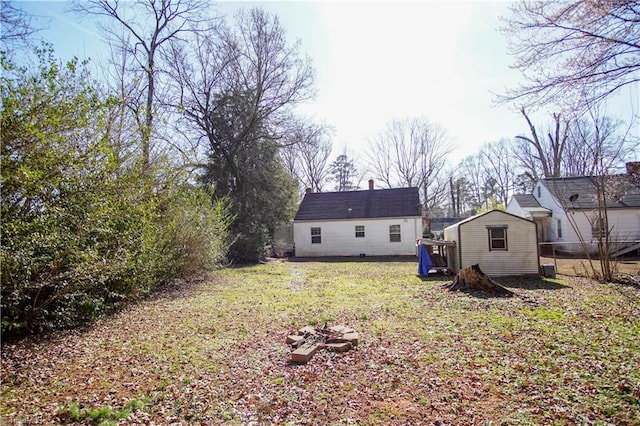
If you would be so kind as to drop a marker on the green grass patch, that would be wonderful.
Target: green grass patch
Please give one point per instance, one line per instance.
(214, 352)
(102, 415)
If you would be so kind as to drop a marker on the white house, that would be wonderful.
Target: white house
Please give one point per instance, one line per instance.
(373, 222)
(500, 243)
(566, 210)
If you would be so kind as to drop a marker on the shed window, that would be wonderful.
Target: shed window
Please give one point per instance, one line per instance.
(538, 188)
(359, 231)
(316, 236)
(497, 237)
(394, 233)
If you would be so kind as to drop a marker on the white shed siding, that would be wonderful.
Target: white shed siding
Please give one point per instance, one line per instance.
(472, 242)
(338, 237)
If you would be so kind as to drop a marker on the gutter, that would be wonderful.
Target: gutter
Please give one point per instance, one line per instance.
(459, 248)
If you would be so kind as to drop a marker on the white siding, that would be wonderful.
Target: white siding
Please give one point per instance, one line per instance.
(338, 237)
(472, 242)
(548, 201)
(624, 224)
(514, 208)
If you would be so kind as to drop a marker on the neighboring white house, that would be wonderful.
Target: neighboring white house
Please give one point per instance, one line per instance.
(500, 243)
(373, 222)
(566, 210)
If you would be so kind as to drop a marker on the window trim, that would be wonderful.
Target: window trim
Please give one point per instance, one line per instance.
(393, 234)
(492, 239)
(316, 235)
(359, 233)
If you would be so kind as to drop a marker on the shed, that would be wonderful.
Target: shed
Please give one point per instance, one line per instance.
(500, 243)
(373, 222)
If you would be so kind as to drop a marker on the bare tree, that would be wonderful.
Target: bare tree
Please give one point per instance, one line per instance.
(580, 146)
(237, 85)
(575, 51)
(121, 124)
(412, 152)
(597, 143)
(434, 189)
(306, 155)
(16, 27)
(543, 152)
(150, 25)
(499, 167)
(393, 155)
(471, 169)
(379, 160)
(527, 158)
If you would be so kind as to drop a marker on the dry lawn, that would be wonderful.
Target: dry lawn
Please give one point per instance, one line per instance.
(214, 352)
(582, 267)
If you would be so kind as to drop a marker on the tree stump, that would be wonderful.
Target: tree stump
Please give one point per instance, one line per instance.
(473, 279)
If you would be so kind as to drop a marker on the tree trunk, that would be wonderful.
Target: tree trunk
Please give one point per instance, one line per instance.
(473, 279)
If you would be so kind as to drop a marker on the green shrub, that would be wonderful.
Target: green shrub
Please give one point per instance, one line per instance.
(84, 231)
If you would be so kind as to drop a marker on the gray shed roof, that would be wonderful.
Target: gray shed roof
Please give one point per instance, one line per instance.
(623, 191)
(367, 204)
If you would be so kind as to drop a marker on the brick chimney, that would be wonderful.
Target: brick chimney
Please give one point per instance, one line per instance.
(633, 168)
(370, 184)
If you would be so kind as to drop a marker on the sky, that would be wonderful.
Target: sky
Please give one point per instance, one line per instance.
(379, 61)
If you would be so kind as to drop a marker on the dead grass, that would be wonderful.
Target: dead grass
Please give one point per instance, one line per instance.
(580, 267)
(214, 352)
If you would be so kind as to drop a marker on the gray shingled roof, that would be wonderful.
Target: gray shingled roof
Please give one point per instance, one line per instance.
(623, 191)
(526, 201)
(367, 204)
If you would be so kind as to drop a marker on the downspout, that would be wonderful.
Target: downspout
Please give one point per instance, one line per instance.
(538, 247)
(459, 248)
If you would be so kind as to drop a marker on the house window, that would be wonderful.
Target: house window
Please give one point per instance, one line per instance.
(316, 236)
(538, 191)
(559, 223)
(394, 233)
(359, 231)
(497, 237)
(598, 230)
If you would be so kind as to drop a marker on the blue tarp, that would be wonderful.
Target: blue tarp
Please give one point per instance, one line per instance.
(424, 261)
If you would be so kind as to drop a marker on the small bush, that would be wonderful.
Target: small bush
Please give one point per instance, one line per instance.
(84, 229)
